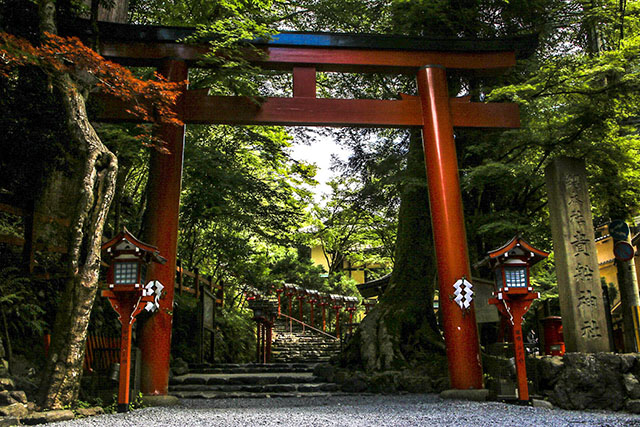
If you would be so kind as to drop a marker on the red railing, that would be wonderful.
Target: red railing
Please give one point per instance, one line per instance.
(307, 326)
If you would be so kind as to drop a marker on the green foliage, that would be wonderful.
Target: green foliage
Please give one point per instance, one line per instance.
(579, 96)
(135, 402)
(243, 199)
(21, 303)
(290, 268)
(234, 336)
(349, 232)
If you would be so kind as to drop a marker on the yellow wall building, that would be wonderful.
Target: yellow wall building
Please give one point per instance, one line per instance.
(356, 272)
(604, 249)
(606, 260)
(608, 271)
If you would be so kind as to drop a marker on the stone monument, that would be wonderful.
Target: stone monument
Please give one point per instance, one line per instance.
(581, 304)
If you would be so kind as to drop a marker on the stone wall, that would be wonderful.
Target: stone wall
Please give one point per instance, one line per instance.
(590, 381)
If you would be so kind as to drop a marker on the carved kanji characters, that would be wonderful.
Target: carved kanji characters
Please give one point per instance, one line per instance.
(584, 273)
(576, 216)
(580, 243)
(590, 329)
(587, 299)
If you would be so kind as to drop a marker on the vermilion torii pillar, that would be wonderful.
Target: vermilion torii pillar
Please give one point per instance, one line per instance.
(161, 230)
(460, 332)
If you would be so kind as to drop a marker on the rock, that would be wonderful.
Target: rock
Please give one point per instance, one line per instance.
(48, 417)
(160, 400)
(356, 383)
(325, 371)
(340, 376)
(7, 399)
(17, 410)
(29, 386)
(628, 361)
(19, 396)
(22, 367)
(631, 385)
(414, 383)
(9, 421)
(90, 412)
(441, 384)
(179, 367)
(590, 381)
(538, 403)
(549, 369)
(6, 384)
(633, 406)
(383, 382)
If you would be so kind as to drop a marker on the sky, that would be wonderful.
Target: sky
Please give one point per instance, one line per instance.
(320, 153)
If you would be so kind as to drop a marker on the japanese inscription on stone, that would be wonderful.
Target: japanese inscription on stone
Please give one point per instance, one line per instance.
(576, 263)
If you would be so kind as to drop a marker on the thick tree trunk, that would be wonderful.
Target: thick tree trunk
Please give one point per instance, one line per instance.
(93, 177)
(402, 329)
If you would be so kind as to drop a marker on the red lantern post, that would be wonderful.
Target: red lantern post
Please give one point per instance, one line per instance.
(514, 295)
(368, 304)
(278, 292)
(128, 296)
(312, 298)
(337, 305)
(289, 290)
(323, 304)
(351, 308)
(301, 296)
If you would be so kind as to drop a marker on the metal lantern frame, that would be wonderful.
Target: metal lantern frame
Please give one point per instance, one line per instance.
(129, 258)
(511, 264)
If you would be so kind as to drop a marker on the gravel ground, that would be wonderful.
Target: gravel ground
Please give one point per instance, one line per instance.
(377, 410)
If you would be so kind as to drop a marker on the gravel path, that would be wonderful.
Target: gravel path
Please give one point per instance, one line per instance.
(377, 410)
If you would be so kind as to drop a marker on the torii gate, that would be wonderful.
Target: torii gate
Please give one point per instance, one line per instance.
(304, 54)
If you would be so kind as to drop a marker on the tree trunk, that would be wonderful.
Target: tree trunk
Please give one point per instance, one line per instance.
(402, 329)
(93, 175)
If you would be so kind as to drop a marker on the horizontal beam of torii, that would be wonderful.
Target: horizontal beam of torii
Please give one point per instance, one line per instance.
(307, 53)
(200, 108)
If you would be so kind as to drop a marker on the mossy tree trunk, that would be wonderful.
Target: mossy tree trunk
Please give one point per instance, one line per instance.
(91, 176)
(402, 328)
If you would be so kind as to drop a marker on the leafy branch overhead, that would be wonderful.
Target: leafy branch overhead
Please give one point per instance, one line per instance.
(153, 100)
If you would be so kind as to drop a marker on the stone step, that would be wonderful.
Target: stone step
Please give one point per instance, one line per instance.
(239, 394)
(298, 345)
(309, 349)
(314, 342)
(253, 368)
(265, 388)
(243, 379)
(264, 382)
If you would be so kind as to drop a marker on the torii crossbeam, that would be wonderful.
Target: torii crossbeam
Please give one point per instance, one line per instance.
(304, 54)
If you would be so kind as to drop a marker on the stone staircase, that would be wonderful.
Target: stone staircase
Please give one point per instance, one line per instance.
(295, 355)
(301, 346)
(250, 380)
